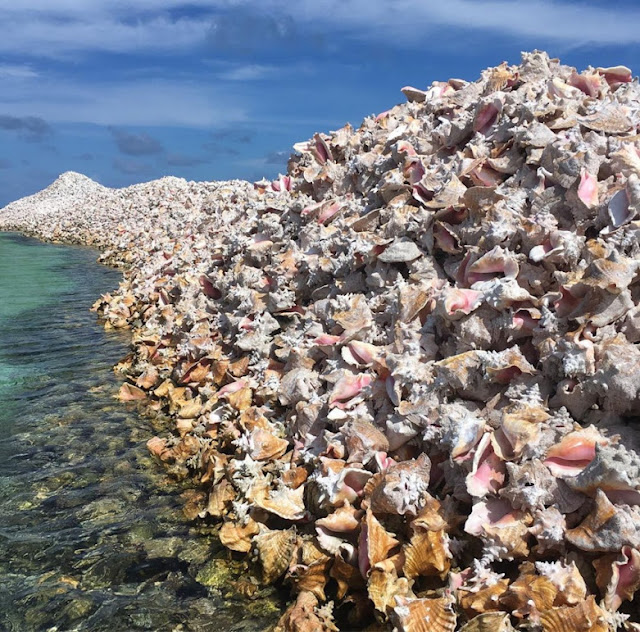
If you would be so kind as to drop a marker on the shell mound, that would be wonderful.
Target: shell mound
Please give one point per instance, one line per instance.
(405, 374)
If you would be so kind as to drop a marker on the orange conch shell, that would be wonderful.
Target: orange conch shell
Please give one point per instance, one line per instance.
(529, 593)
(385, 587)
(237, 536)
(347, 576)
(424, 615)
(585, 617)
(263, 445)
(489, 622)
(304, 616)
(130, 393)
(568, 580)
(427, 554)
(274, 550)
(309, 570)
(482, 597)
(375, 543)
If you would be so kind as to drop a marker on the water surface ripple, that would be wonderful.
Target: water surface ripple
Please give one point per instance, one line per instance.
(91, 532)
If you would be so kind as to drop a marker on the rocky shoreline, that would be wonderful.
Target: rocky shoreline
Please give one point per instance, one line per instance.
(404, 375)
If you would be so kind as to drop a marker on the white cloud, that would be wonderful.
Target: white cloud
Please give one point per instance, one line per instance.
(41, 36)
(411, 20)
(47, 28)
(249, 72)
(17, 71)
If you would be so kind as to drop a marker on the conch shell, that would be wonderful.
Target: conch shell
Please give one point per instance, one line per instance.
(585, 617)
(274, 550)
(375, 543)
(427, 554)
(424, 615)
(618, 576)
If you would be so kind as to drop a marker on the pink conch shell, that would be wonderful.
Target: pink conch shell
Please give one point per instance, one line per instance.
(588, 189)
(445, 238)
(589, 83)
(327, 340)
(615, 75)
(349, 486)
(283, 183)
(487, 115)
(574, 452)
(492, 512)
(461, 302)
(618, 576)
(231, 388)
(328, 212)
(361, 353)
(348, 387)
(488, 470)
(496, 262)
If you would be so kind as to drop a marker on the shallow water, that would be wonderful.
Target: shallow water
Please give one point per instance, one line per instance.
(92, 536)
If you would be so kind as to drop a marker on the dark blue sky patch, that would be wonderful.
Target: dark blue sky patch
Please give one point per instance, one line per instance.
(141, 144)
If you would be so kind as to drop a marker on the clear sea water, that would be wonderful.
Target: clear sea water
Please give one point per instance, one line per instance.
(92, 536)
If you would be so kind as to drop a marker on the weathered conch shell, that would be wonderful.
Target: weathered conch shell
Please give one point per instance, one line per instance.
(424, 615)
(584, 617)
(274, 551)
(618, 576)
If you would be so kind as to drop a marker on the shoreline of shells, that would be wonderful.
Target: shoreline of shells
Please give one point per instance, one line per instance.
(404, 376)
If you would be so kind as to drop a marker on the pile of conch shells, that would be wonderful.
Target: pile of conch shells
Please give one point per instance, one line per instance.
(404, 376)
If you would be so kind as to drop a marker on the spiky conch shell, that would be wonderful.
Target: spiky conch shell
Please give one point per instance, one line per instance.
(302, 616)
(285, 502)
(424, 615)
(274, 551)
(587, 616)
(566, 577)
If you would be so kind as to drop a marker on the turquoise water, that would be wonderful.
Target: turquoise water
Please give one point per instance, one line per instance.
(92, 536)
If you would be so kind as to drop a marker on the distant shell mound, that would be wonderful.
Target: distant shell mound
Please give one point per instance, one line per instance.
(406, 372)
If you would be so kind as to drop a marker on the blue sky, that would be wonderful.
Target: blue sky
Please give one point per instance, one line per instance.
(130, 90)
